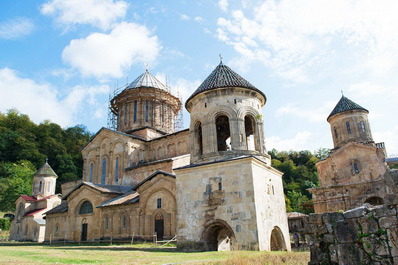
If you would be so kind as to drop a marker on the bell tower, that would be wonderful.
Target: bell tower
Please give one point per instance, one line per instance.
(44, 181)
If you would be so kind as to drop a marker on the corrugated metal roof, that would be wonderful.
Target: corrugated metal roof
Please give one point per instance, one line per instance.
(223, 76)
(146, 80)
(45, 171)
(345, 104)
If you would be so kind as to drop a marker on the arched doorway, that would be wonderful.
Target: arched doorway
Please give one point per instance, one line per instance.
(159, 226)
(375, 201)
(83, 235)
(277, 240)
(218, 236)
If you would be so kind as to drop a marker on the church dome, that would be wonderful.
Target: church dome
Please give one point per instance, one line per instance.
(146, 80)
(223, 76)
(345, 104)
(45, 171)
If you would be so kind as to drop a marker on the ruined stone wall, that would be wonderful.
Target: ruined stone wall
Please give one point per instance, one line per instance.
(364, 235)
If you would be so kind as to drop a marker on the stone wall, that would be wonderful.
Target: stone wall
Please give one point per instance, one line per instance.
(364, 235)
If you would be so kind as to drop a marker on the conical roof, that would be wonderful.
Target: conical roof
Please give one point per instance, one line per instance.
(223, 76)
(146, 80)
(345, 104)
(45, 171)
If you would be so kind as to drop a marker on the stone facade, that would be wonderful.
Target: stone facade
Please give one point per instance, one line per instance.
(29, 223)
(364, 235)
(352, 174)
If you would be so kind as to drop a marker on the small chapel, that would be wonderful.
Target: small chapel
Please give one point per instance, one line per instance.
(211, 183)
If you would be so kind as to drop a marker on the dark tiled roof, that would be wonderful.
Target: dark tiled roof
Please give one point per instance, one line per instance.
(129, 197)
(104, 188)
(223, 76)
(62, 208)
(32, 198)
(34, 211)
(345, 104)
(45, 171)
(152, 176)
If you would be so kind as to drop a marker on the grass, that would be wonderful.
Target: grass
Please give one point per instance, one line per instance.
(138, 254)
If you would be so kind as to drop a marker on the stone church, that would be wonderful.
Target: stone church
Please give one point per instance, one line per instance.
(211, 183)
(353, 172)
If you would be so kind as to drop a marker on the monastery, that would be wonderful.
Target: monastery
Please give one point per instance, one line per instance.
(211, 184)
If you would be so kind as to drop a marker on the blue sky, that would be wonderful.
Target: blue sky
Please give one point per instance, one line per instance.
(60, 58)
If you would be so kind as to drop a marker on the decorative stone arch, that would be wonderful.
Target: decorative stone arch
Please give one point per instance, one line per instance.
(155, 225)
(107, 168)
(375, 200)
(124, 224)
(80, 204)
(218, 235)
(157, 190)
(107, 222)
(20, 212)
(277, 240)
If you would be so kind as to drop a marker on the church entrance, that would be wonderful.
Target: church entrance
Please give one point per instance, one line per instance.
(159, 226)
(277, 241)
(83, 236)
(218, 236)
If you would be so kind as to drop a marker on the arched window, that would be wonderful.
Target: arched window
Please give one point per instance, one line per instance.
(91, 172)
(159, 203)
(146, 111)
(40, 186)
(250, 133)
(356, 169)
(335, 132)
(347, 124)
(117, 169)
(362, 124)
(198, 137)
(125, 114)
(86, 208)
(223, 133)
(106, 222)
(135, 111)
(103, 171)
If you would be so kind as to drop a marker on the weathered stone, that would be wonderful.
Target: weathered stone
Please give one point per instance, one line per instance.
(344, 233)
(388, 222)
(328, 238)
(357, 212)
(330, 219)
(393, 241)
(348, 254)
(315, 218)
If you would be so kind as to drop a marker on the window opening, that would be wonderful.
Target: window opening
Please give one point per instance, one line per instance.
(249, 129)
(91, 172)
(117, 169)
(356, 169)
(48, 186)
(135, 111)
(335, 132)
(362, 124)
(86, 208)
(125, 114)
(223, 133)
(219, 186)
(56, 229)
(199, 139)
(146, 111)
(106, 222)
(205, 105)
(235, 101)
(347, 124)
(124, 221)
(103, 171)
(40, 185)
(159, 203)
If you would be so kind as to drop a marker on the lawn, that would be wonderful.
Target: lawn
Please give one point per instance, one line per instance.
(138, 254)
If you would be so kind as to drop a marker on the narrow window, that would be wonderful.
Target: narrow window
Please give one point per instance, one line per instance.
(347, 124)
(103, 171)
(362, 124)
(198, 136)
(125, 114)
(249, 129)
(124, 221)
(106, 222)
(273, 191)
(48, 186)
(205, 105)
(223, 133)
(146, 111)
(159, 203)
(56, 229)
(91, 172)
(117, 169)
(235, 101)
(219, 186)
(40, 185)
(335, 132)
(135, 111)
(356, 168)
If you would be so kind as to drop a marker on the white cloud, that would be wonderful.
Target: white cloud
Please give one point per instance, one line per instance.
(315, 114)
(299, 142)
(223, 4)
(111, 55)
(184, 17)
(41, 101)
(98, 13)
(390, 138)
(198, 19)
(180, 86)
(16, 28)
(296, 37)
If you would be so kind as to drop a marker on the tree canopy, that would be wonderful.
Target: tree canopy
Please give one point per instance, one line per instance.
(24, 147)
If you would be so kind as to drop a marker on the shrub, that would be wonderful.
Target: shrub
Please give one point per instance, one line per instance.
(5, 224)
